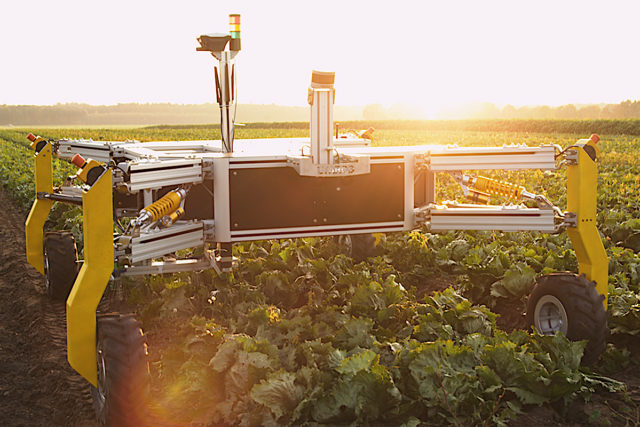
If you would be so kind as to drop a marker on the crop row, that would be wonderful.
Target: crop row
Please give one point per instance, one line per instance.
(302, 333)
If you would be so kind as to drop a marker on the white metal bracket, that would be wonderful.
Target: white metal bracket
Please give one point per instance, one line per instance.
(343, 166)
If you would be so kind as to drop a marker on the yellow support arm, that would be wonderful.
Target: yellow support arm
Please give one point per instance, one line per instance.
(40, 209)
(92, 279)
(582, 182)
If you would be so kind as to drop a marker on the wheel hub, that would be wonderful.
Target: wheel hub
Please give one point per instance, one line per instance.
(550, 316)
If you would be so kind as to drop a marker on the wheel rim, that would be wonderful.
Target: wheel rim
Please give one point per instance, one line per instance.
(346, 242)
(47, 283)
(102, 375)
(550, 316)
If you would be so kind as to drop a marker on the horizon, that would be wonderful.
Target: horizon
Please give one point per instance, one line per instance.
(185, 114)
(213, 102)
(431, 56)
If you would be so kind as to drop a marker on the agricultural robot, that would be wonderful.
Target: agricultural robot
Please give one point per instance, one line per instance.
(164, 197)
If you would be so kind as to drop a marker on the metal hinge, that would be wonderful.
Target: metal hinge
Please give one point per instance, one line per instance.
(571, 157)
(209, 230)
(117, 177)
(421, 214)
(207, 169)
(570, 219)
(421, 162)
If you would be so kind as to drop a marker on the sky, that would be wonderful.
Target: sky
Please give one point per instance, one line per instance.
(430, 54)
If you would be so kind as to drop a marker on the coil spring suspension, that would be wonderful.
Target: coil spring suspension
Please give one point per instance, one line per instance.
(166, 205)
(497, 188)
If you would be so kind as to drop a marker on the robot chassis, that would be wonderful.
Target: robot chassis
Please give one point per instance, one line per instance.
(211, 194)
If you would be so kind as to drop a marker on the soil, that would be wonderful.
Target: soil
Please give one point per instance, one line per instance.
(38, 387)
(434, 284)
(511, 315)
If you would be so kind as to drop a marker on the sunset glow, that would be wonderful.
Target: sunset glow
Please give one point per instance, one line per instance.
(427, 55)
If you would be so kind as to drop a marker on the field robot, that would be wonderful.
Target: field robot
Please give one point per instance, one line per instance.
(162, 197)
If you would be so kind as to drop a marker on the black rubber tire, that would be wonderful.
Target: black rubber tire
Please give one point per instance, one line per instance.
(585, 312)
(61, 264)
(363, 246)
(122, 395)
(358, 246)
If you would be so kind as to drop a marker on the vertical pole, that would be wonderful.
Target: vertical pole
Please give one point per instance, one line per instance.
(321, 97)
(226, 121)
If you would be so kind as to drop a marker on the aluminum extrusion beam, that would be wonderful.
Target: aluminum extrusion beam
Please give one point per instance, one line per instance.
(162, 242)
(153, 175)
(499, 218)
(504, 158)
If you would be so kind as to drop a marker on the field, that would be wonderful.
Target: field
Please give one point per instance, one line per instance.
(427, 332)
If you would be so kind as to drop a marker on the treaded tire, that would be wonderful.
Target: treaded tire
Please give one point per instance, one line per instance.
(61, 267)
(586, 318)
(358, 246)
(121, 397)
(363, 246)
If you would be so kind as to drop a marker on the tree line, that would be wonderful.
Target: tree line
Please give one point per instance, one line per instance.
(153, 114)
(624, 110)
(165, 113)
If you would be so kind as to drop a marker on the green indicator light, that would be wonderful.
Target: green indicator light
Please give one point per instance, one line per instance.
(235, 34)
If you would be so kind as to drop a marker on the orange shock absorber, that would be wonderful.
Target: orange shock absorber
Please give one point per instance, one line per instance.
(498, 188)
(477, 197)
(166, 205)
(169, 220)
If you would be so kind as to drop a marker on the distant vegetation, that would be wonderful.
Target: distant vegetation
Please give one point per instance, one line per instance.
(153, 114)
(486, 110)
(624, 110)
(581, 127)
(175, 114)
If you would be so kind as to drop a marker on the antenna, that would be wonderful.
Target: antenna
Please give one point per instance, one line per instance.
(216, 43)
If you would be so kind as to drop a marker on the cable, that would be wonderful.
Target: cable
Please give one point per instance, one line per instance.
(565, 150)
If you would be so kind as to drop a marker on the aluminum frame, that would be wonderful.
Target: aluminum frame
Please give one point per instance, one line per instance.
(156, 243)
(154, 165)
(498, 218)
(509, 157)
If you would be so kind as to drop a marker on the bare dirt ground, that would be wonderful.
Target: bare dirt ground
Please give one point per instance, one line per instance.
(39, 388)
(37, 385)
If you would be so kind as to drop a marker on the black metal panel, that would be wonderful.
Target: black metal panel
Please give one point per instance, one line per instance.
(199, 203)
(127, 201)
(278, 197)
